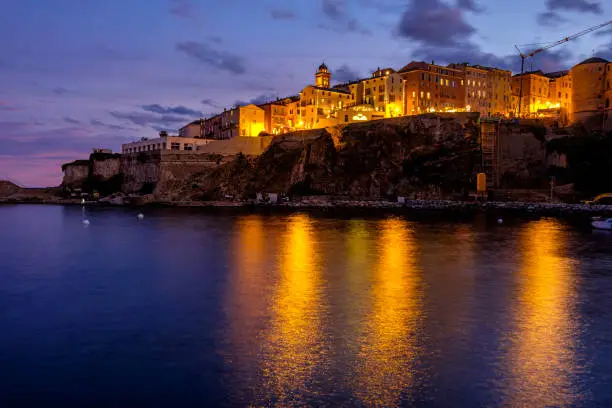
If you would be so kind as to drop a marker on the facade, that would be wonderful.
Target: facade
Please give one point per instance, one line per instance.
(245, 120)
(275, 118)
(163, 143)
(193, 129)
(499, 91)
(383, 91)
(432, 88)
(535, 96)
(589, 91)
(560, 95)
(608, 98)
(477, 88)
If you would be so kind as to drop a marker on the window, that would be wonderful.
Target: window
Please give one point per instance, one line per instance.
(175, 146)
(346, 118)
(422, 94)
(391, 98)
(559, 94)
(188, 147)
(462, 82)
(413, 94)
(428, 95)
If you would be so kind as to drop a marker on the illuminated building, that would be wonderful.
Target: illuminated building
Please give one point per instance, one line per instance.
(383, 92)
(608, 97)
(193, 129)
(589, 91)
(245, 120)
(432, 88)
(535, 93)
(275, 116)
(499, 91)
(560, 94)
(318, 103)
(476, 88)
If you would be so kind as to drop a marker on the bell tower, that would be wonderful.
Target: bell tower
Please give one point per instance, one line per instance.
(322, 77)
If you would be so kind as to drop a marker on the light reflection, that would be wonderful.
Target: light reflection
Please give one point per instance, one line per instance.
(294, 348)
(542, 358)
(389, 346)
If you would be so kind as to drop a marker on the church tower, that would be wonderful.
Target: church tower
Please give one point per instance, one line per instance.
(322, 77)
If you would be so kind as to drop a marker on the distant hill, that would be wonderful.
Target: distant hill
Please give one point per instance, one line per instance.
(8, 188)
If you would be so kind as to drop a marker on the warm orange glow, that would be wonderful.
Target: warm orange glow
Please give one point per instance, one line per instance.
(389, 349)
(294, 344)
(541, 356)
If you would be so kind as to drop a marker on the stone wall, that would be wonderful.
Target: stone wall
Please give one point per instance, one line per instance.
(250, 146)
(105, 166)
(140, 172)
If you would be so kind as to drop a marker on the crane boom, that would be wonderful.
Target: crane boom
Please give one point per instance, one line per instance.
(539, 50)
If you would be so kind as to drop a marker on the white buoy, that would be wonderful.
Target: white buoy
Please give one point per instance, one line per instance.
(140, 216)
(83, 201)
(85, 222)
(500, 221)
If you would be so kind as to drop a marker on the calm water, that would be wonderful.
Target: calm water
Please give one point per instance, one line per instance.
(189, 308)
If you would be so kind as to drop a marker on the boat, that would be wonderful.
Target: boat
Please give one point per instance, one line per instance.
(602, 224)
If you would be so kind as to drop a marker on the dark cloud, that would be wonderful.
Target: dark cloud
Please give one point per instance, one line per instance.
(206, 54)
(345, 74)
(550, 18)
(182, 8)
(603, 33)
(165, 129)
(58, 90)
(147, 118)
(5, 106)
(95, 122)
(470, 5)
(282, 14)
(171, 110)
(207, 102)
(258, 100)
(216, 39)
(68, 119)
(434, 23)
(334, 9)
(583, 6)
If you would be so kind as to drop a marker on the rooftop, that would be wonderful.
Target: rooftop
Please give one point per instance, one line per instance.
(594, 60)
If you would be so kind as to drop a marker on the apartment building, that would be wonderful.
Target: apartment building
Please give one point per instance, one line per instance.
(535, 94)
(432, 88)
(383, 91)
(477, 88)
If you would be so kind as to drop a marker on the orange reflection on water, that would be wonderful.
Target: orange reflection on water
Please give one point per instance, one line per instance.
(294, 348)
(542, 356)
(389, 346)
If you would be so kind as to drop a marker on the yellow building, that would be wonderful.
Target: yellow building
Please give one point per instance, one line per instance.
(560, 95)
(245, 120)
(535, 96)
(383, 92)
(589, 90)
(320, 102)
(499, 91)
(476, 88)
(608, 96)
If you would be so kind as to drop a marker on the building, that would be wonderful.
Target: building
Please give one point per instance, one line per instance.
(245, 120)
(275, 117)
(535, 93)
(608, 97)
(193, 129)
(164, 142)
(589, 91)
(319, 103)
(499, 91)
(383, 92)
(560, 95)
(97, 150)
(477, 88)
(432, 88)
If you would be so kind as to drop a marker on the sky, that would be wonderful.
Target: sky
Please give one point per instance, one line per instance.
(83, 74)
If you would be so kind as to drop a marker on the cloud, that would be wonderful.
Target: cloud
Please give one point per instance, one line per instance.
(258, 100)
(341, 21)
(216, 39)
(282, 14)
(171, 110)
(68, 119)
(206, 54)
(95, 122)
(207, 102)
(345, 74)
(470, 5)
(550, 18)
(334, 9)
(182, 8)
(433, 23)
(603, 33)
(5, 106)
(582, 6)
(58, 90)
(148, 119)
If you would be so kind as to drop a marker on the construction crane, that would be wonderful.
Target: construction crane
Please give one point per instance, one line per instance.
(524, 56)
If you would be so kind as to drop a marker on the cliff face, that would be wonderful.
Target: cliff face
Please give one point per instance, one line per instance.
(403, 156)
(7, 188)
(75, 174)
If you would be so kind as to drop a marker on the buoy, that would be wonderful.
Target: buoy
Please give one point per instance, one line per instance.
(82, 201)
(85, 222)
(500, 221)
(140, 216)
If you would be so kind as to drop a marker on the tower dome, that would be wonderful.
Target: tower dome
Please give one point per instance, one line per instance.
(323, 76)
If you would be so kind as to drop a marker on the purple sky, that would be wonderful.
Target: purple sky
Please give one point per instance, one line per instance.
(78, 74)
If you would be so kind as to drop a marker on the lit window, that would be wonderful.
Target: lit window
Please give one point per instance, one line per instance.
(422, 94)
(428, 95)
